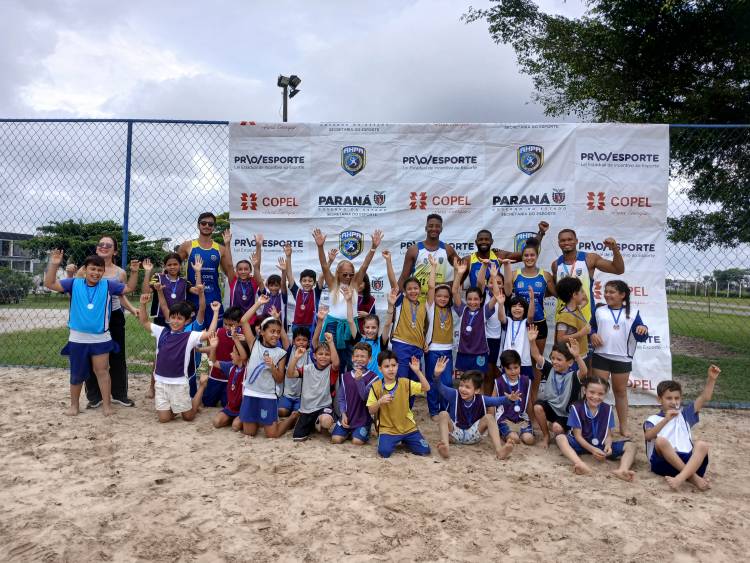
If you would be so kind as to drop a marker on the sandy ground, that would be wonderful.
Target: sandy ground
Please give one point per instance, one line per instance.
(127, 488)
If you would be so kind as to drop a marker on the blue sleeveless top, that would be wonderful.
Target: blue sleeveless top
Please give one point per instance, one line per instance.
(521, 286)
(209, 273)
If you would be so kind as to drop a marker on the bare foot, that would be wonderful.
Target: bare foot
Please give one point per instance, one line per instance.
(673, 483)
(700, 483)
(107, 410)
(72, 411)
(581, 469)
(544, 441)
(443, 450)
(504, 452)
(150, 393)
(624, 474)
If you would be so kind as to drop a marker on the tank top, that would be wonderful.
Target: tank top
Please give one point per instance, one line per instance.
(475, 265)
(177, 288)
(472, 336)
(440, 331)
(516, 339)
(410, 322)
(242, 294)
(421, 268)
(209, 272)
(578, 270)
(521, 286)
(522, 385)
(594, 429)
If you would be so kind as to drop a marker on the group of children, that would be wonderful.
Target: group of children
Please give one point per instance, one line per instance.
(477, 355)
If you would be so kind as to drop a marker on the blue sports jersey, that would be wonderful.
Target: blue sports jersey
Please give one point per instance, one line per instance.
(209, 272)
(521, 286)
(90, 306)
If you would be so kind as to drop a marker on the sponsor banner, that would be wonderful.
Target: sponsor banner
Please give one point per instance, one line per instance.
(350, 179)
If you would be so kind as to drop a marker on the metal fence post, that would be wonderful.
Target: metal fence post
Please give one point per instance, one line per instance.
(126, 211)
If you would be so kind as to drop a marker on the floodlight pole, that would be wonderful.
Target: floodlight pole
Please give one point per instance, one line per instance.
(285, 96)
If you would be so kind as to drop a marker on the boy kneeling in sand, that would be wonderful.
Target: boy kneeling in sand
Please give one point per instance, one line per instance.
(389, 403)
(174, 352)
(467, 419)
(669, 441)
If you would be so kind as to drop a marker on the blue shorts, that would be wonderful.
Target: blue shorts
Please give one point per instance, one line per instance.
(289, 403)
(528, 371)
(465, 362)
(661, 466)
(229, 413)
(404, 352)
(361, 433)
(80, 357)
(618, 448)
(259, 411)
(504, 427)
(413, 440)
(215, 392)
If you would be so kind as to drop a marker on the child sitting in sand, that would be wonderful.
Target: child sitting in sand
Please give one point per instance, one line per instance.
(591, 422)
(669, 440)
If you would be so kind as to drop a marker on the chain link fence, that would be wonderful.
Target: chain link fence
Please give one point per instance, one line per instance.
(66, 181)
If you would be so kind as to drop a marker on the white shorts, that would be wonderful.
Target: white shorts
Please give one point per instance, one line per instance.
(172, 396)
(469, 436)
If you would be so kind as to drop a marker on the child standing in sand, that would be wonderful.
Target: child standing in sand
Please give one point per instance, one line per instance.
(669, 440)
(591, 422)
(90, 342)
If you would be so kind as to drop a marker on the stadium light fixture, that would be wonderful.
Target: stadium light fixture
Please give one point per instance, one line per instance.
(285, 83)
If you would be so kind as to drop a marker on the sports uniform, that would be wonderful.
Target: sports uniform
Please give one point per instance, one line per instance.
(466, 415)
(558, 391)
(174, 354)
(315, 398)
(407, 336)
(595, 427)
(440, 344)
(352, 394)
(395, 420)
(679, 434)
(515, 413)
(242, 294)
(521, 285)
(619, 339)
(579, 269)
(260, 404)
(516, 338)
(421, 267)
(209, 276)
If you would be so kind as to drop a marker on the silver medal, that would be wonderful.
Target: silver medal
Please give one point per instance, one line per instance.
(244, 297)
(90, 306)
(174, 296)
(468, 329)
(517, 408)
(595, 441)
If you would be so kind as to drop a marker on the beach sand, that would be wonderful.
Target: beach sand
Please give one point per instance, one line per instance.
(127, 488)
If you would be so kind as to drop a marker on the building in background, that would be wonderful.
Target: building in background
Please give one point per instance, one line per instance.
(14, 256)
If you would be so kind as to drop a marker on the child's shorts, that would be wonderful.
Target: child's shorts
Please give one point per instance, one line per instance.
(172, 396)
(80, 357)
(494, 345)
(552, 416)
(255, 410)
(610, 366)
(361, 433)
(413, 440)
(507, 426)
(528, 371)
(661, 466)
(466, 436)
(215, 392)
(465, 362)
(307, 423)
(618, 447)
(289, 403)
(230, 413)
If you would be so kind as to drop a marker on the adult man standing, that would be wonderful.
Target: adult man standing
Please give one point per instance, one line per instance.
(213, 255)
(416, 261)
(583, 265)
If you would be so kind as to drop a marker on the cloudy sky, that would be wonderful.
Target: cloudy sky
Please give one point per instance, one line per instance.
(390, 60)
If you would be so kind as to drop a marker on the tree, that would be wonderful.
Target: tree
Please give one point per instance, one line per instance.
(78, 240)
(651, 61)
(732, 275)
(14, 286)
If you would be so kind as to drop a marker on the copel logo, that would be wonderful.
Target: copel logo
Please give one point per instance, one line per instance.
(635, 291)
(420, 200)
(249, 202)
(597, 201)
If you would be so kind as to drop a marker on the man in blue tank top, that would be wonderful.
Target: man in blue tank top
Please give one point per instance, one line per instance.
(214, 257)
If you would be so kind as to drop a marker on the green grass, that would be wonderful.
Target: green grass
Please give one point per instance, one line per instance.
(42, 301)
(731, 331)
(721, 300)
(733, 385)
(41, 348)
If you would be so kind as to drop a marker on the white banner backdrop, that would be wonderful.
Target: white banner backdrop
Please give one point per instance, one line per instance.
(600, 179)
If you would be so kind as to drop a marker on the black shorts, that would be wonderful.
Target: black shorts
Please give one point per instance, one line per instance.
(305, 424)
(543, 329)
(494, 345)
(610, 366)
(552, 416)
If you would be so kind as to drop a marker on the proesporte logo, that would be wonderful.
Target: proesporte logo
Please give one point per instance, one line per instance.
(353, 159)
(529, 158)
(276, 204)
(440, 162)
(351, 205)
(351, 243)
(628, 248)
(439, 203)
(618, 204)
(547, 202)
(619, 159)
(272, 244)
(461, 247)
(261, 161)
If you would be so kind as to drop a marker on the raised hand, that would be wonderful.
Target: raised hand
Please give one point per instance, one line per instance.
(573, 346)
(493, 270)
(158, 286)
(543, 226)
(288, 250)
(213, 340)
(531, 294)
(148, 265)
(386, 255)
(320, 238)
(713, 372)
(347, 291)
(254, 260)
(329, 338)
(414, 364)
(274, 313)
(501, 298)
(200, 287)
(299, 351)
(533, 332)
(610, 243)
(135, 265)
(227, 236)
(432, 260)
(71, 270)
(332, 255)
(461, 266)
(322, 314)
(197, 265)
(282, 264)
(215, 306)
(258, 240)
(145, 298)
(393, 296)
(377, 238)
(263, 299)
(640, 330)
(440, 365)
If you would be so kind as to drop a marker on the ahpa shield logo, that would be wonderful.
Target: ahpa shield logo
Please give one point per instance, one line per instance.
(530, 158)
(379, 198)
(519, 241)
(350, 243)
(353, 159)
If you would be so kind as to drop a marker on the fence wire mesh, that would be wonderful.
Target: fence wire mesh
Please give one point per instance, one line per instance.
(63, 185)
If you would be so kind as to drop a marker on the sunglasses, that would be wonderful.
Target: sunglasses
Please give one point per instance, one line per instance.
(207, 224)
(345, 275)
(105, 245)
